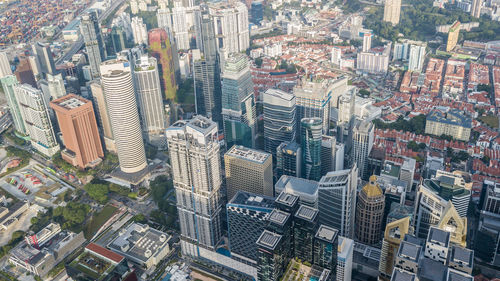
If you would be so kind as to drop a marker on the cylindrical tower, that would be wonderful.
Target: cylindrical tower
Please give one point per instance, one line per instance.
(311, 132)
(122, 108)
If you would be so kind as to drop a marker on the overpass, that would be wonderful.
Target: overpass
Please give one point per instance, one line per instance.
(78, 44)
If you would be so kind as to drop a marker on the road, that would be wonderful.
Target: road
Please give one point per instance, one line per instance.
(78, 44)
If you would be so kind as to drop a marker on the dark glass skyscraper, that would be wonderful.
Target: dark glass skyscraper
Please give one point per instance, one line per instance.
(238, 105)
(94, 41)
(206, 70)
(325, 248)
(288, 159)
(246, 219)
(45, 59)
(305, 221)
(279, 119)
(257, 12)
(311, 148)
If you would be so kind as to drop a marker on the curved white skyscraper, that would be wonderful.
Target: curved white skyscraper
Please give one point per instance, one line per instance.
(149, 99)
(116, 77)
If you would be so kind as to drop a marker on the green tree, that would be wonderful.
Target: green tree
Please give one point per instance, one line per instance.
(258, 62)
(98, 192)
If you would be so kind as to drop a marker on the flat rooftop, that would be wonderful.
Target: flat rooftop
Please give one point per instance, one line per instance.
(438, 236)
(306, 213)
(249, 154)
(247, 199)
(399, 275)
(287, 199)
(140, 242)
(278, 217)
(461, 255)
(409, 251)
(432, 270)
(70, 101)
(326, 233)
(268, 240)
(296, 185)
(454, 275)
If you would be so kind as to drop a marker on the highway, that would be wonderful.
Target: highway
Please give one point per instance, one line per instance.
(77, 45)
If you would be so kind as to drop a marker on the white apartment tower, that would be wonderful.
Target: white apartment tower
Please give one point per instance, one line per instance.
(177, 21)
(149, 99)
(4, 65)
(121, 103)
(392, 11)
(196, 167)
(362, 143)
(34, 111)
(139, 31)
(417, 57)
(345, 254)
(337, 200)
(230, 21)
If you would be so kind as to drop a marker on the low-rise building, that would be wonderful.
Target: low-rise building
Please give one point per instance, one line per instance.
(451, 123)
(40, 252)
(141, 244)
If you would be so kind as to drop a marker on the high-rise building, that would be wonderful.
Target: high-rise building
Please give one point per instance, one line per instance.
(246, 219)
(401, 50)
(392, 11)
(24, 73)
(118, 38)
(417, 57)
(248, 170)
(121, 104)
(45, 58)
(326, 247)
(5, 68)
(9, 84)
(476, 8)
(54, 85)
(306, 190)
(362, 143)
(311, 148)
(453, 36)
(161, 49)
(149, 98)
(279, 119)
(337, 200)
(312, 98)
(94, 42)
(393, 236)
(238, 104)
(271, 256)
(176, 21)
(305, 225)
(34, 111)
(195, 160)
(101, 110)
(344, 259)
(488, 227)
(78, 126)
(257, 12)
(289, 160)
(367, 41)
(139, 31)
(230, 20)
(369, 213)
(328, 149)
(207, 86)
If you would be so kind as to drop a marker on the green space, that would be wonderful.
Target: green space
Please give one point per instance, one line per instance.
(98, 220)
(419, 19)
(17, 237)
(185, 95)
(415, 125)
(490, 120)
(15, 139)
(99, 189)
(71, 216)
(167, 212)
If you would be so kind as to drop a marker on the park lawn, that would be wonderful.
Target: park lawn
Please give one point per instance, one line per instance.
(490, 120)
(98, 220)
